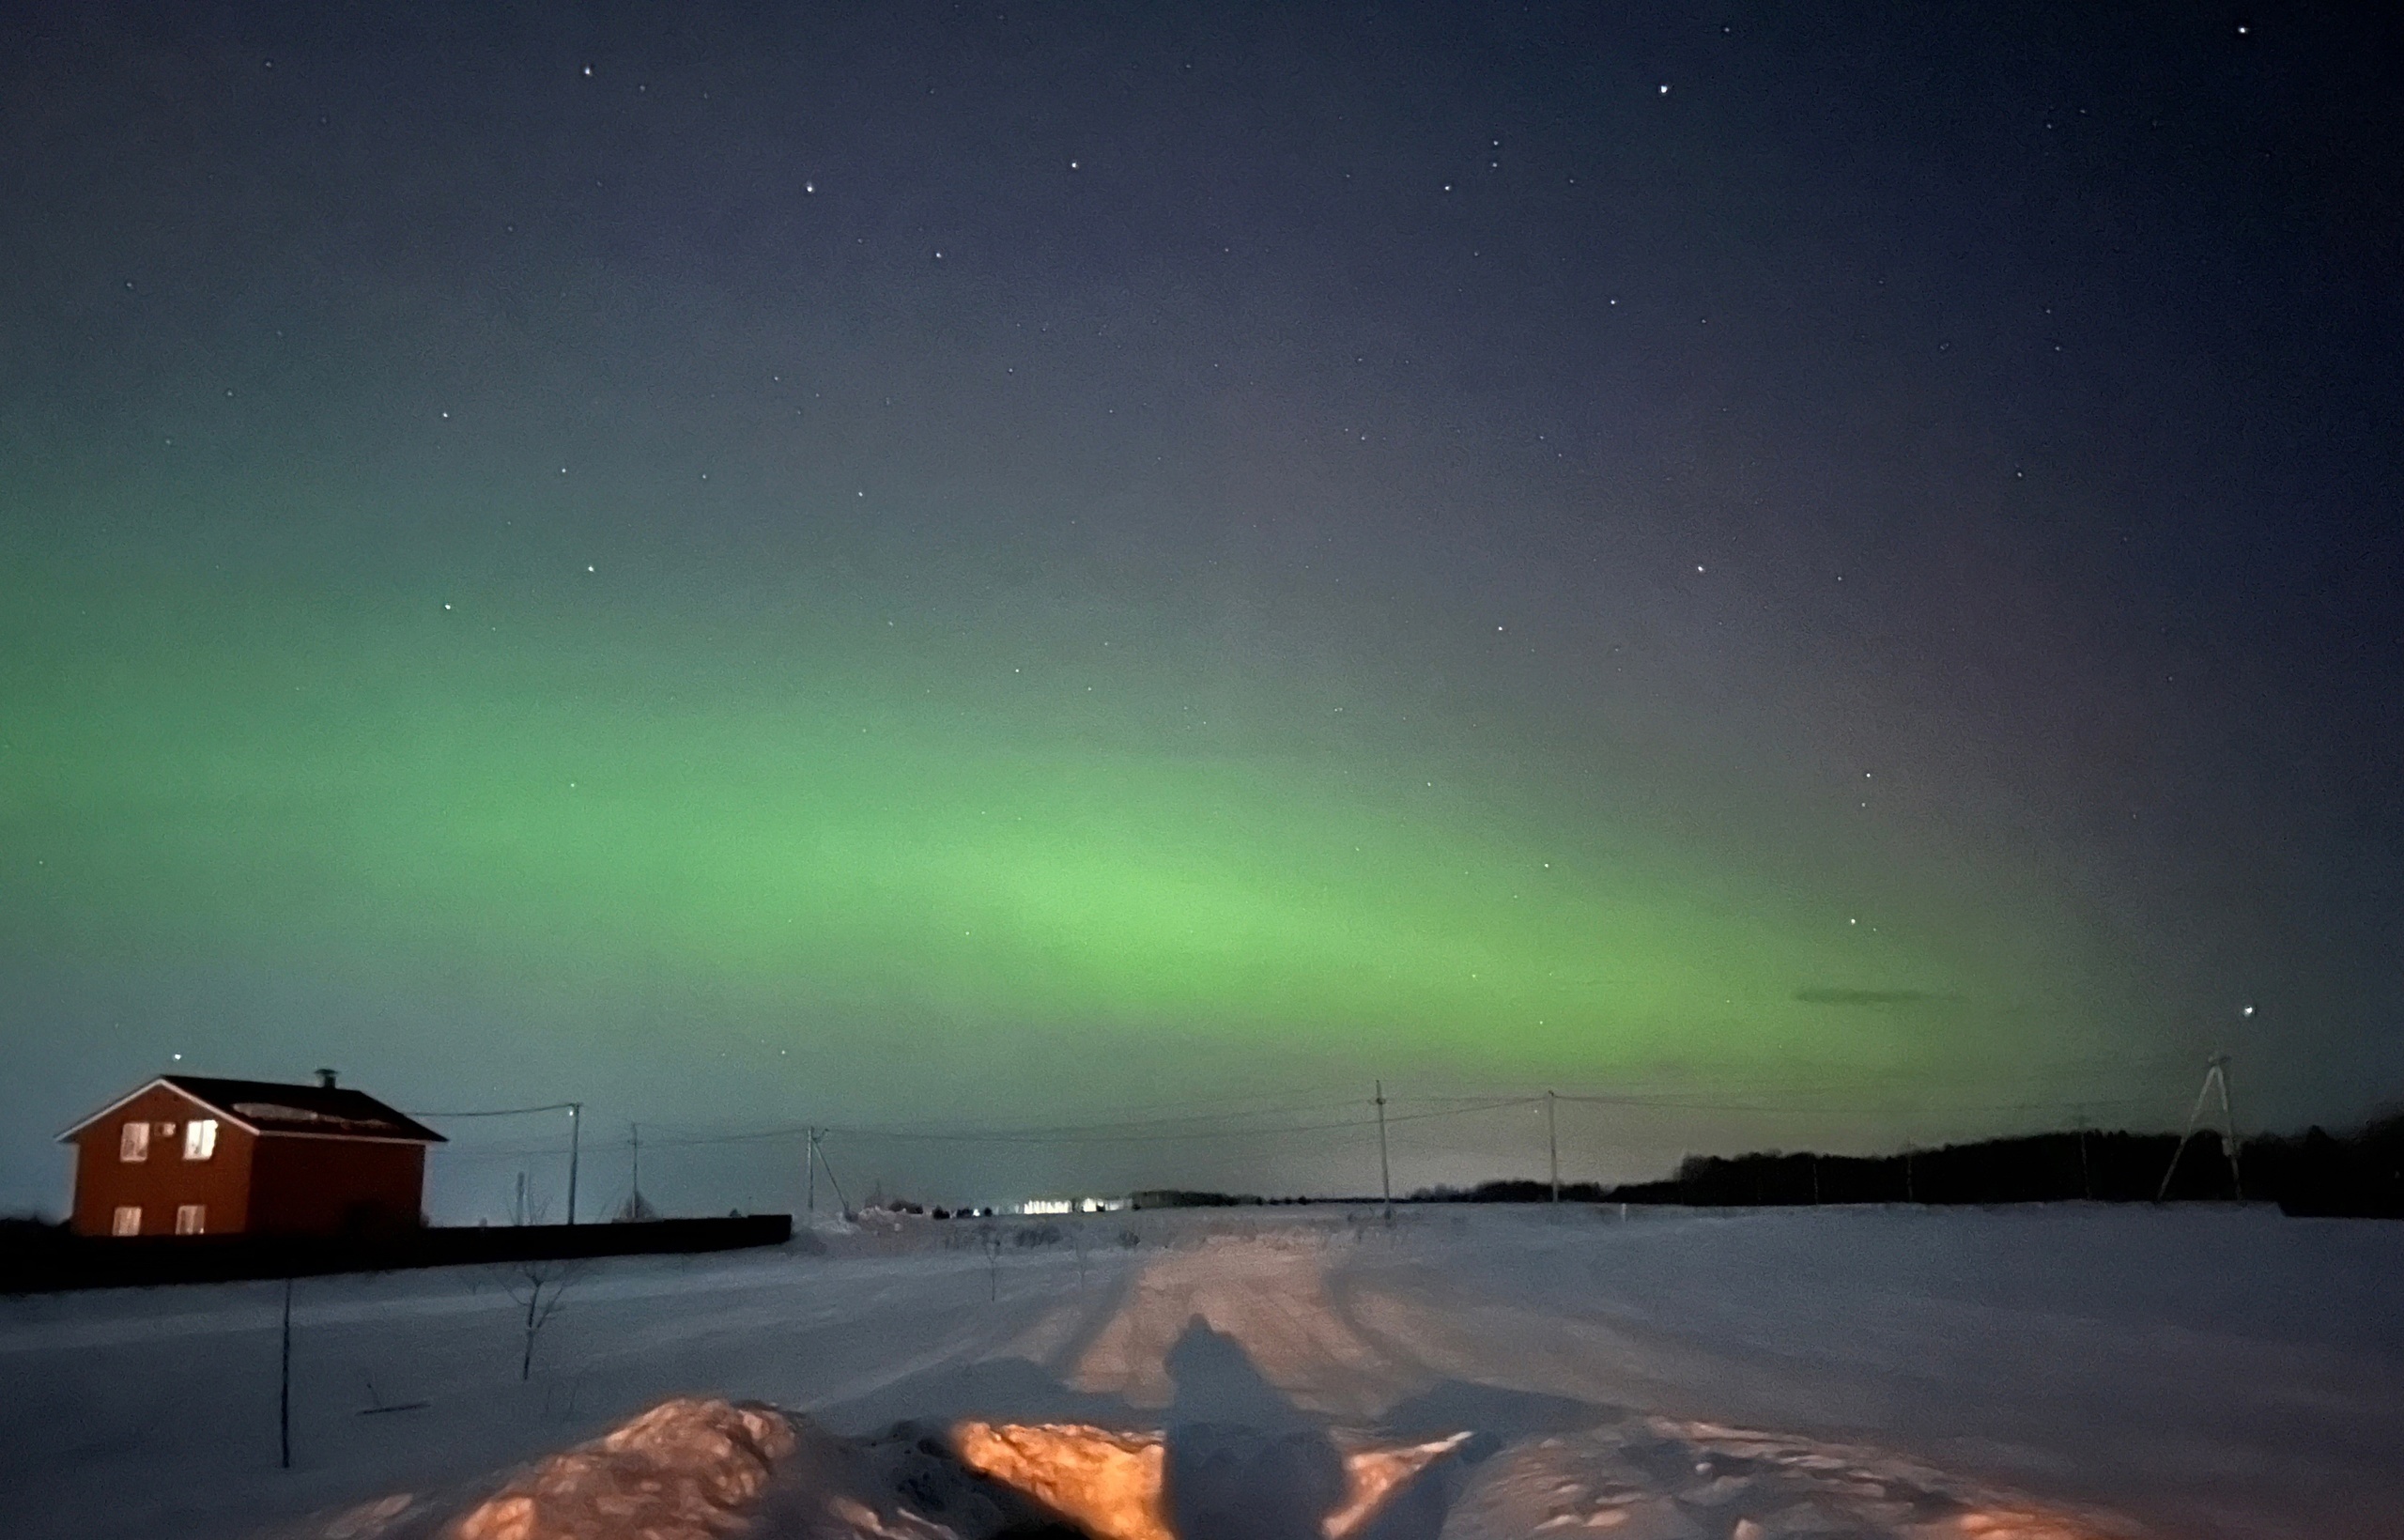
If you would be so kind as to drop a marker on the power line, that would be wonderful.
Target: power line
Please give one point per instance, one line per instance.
(1077, 1136)
(1280, 1106)
(1261, 1120)
(1039, 1130)
(458, 1153)
(1122, 1132)
(1674, 1104)
(1209, 1126)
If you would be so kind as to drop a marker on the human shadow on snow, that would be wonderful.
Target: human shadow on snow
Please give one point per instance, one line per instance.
(1240, 1460)
(1243, 1462)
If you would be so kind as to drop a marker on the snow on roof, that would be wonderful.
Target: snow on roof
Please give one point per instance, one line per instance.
(268, 1106)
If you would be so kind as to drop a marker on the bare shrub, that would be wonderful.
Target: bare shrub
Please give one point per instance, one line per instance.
(540, 1284)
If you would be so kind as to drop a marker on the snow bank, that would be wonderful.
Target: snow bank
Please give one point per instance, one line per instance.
(691, 1468)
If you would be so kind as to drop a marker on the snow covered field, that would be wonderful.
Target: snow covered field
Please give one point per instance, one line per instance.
(2195, 1372)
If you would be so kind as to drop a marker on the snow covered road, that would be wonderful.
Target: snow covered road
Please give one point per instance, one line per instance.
(2208, 1373)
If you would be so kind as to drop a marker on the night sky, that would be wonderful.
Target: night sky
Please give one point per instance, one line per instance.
(939, 567)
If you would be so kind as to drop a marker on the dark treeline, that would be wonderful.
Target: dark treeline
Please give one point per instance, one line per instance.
(2112, 1168)
(2317, 1173)
(1517, 1192)
(38, 1257)
(1178, 1197)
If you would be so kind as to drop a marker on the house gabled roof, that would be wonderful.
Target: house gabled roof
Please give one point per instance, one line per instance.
(266, 1107)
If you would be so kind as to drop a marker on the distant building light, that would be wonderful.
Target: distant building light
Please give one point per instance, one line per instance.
(1072, 1206)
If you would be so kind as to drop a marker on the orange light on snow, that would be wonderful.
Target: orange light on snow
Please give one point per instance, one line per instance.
(1111, 1485)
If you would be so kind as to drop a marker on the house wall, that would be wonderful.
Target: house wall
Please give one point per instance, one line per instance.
(308, 1185)
(166, 1181)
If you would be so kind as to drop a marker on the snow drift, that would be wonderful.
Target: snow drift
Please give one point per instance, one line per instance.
(705, 1469)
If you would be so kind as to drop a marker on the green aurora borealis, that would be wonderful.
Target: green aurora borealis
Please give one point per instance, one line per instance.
(827, 811)
(922, 569)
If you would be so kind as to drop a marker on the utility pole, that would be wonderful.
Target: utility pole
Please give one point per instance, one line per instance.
(1552, 1145)
(2229, 1121)
(575, 1143)
(2215, 1078)
(284, 1387)
(638, 1209)
(813, 1175)
(1385, 1170)
(844, 1204)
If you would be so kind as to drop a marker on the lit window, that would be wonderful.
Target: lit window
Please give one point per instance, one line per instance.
(192, 1218)
(127, 1220)
(133, 1142)
(200, 1138)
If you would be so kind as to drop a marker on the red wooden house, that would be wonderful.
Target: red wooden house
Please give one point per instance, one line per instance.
(193, 1155)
